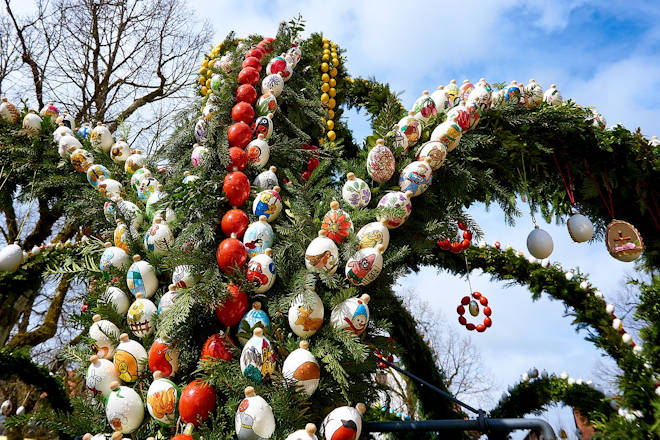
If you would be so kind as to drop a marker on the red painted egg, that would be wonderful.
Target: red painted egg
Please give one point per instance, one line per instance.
(243, 112)
(248, 75)
(217, 346)
(239, 159)
(256, 52)
(253, 62)
(236, 187)
(232, 310)
(162, 358)
(239, 135)
(196, 402)
(312, 163)
(246, 93)
(235, 221)
(230, 253)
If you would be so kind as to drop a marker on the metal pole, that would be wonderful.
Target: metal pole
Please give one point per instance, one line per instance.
(482, 425)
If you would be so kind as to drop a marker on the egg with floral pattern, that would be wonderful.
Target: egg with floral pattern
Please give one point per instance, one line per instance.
(398, 208)
(356, 192)
(380, 162)
(337, 223)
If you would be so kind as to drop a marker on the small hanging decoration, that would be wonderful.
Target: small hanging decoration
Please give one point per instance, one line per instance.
(337, 223)
(322, 254)
(261, 271)
(268, 203)
(124, 408)
(344, 422)
(380, 162)
(233, 307)
(306, 314)
(196, 403)
(130, 358)
(141, 316)
(163, 358)
(302, 369)
(103, 332)
(365, 265)
(162, 399)
(623, 240)
(258, 237)
(351, 315)
(254, 418)
(356, 192)
(254, 317)
(579, 227)
(100, 374)
(258, 358)
(218, 346)
(309, 433)
(459, 246)
(539, 243)
(372, 234)
(473, 307)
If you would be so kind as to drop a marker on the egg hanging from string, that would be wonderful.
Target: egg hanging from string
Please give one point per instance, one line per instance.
(380, 162)
(254, 418)
(322, 254)
(344, 422)
(539, 243)
(130, 358)
(268, 203)
(302, 369)
(257, 360)
(580, 228)
(261, 271)
(306, 313)
(124, 408)
(365, 265)
(356, 192)
(351, 315)
(100, 374)
(162, 399)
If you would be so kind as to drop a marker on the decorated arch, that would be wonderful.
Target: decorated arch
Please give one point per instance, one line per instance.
(246, 165)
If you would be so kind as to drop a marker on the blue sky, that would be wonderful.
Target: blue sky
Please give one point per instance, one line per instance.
(602, 54)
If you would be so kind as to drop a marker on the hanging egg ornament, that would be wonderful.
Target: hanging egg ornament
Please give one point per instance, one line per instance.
(411, 127)
(32, 123)
(130, 358)
(278, 65)
(306, 314)
(351, 315)
(94, 172)
(141, 316)
(242, 112)
(84, 130)
(261, 271)
(141, 278)
(81, 159)
(110, 188)
(100, 374)
(258, 237)
(49, 110)
(110, 211)
(439, 97)
(268, 203)
(130, 212)
(254, 418)
(197, 155)
(201, 127)
(115, 296)
(461, 116)
(580, 228)
(225, 62)
(552, 96)
(188, 178)
(266, 179)
(399, 140)
(162, 399)
(356, 192)
(233, 307)
(124, 409)
(309, 433)
(167, 300)
(302, 370)
(424, 108)
(623, 241)
(416, 177)
(258, 151)
(374, 234)
(231, 254)
(435, 151)
(258, 357)
(448, 133)
(535, 92)
(119, 151)
(365, 265)
(239, 134)
(196, 403)
(8, 112)
(101, 139)
(121, 236)
(218, 346)
(255, 317)
(159, 239)
(253, 62)
(344, 422)
(264, 125)
(217, 81)
(273, 84)
(236, 221)
(113, 258)
(163, 358)
(465, 89)
(481, 96)
(185, 276)
(246, 93)
(380, 162)
(267, 103)
(134, 162)
(398, 208)
(67, 144)
(248, 75)
(512, 93)
(236, 187)
(322, 254)
(60, 131)
(337, 223)
(453, 94)
(11, 256)
(539, 243)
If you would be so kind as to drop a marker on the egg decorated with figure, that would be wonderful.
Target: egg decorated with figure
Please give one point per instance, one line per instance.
(32, 123)
(103, 332)
(141, 316)
(398, 208)
(60, 131)
(141, 278)
(84, 130)
(266, 179)
(147, 186)
(162, 398)
(201, 126)
(185, 276)
(398, 140)
(416, 177)
(512, 93)
(258, 152)
(267, 103)
(261, 271)
(322, 254)
(535, 92)
(337, 223)
(254, 418)
(439, 97)
(117, 298)
(273, 84)
(309, 433)
(351, 315)
(374, 234)
(306, 314)
(453, 94)
(264, 125)
(134, 162)
(411, 127)
(424, 107)
(159, 239)
(268, 203)
(100, 374)
(448, 133)
(131, 213)
(130, 358)
(67, 144)
(436, 151)
(258, 237)
(302, 369)
(110, 211)
(81, 159)
(254, 317)
(552, 96)
(120, 151)
(124, 409)
(109, 188)
(93, 173)
(163, 358)
(121, 236)
(344, 422)
(8, 112)
(137, 176)
(480, 96)
(356, 192)
(365, 265)
(113, 258)
(167, 300)
(197, 155)
(380, 162)
(101, 138)
(257, 360)
(465, 89)
(217, 81)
